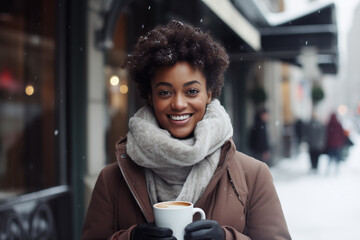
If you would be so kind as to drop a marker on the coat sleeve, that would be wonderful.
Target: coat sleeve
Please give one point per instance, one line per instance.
(232, 234)
(100, 214)
(100, 218)
(265, 218)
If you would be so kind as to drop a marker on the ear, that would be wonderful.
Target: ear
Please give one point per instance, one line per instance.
(209, 97)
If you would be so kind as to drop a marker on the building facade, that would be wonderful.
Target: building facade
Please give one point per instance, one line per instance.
(65, 100)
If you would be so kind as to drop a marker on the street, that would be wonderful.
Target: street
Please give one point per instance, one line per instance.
(323, 205)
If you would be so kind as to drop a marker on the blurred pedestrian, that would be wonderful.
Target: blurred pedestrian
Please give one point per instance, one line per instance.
(347, 145)
(258, 137)
(299, 131)
(315, 137)
(335, 141)
(299, 127)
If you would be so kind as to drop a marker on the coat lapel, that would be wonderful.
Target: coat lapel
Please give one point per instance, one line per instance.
(135, 179)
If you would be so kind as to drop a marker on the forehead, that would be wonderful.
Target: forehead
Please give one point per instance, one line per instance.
(179, 73)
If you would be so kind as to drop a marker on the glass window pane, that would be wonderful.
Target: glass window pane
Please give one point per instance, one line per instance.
(27, 97)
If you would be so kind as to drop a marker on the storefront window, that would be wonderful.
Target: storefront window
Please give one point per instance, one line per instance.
(122, 98)
(27, 97)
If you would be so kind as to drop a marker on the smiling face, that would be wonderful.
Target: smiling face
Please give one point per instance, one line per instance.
(179, 98)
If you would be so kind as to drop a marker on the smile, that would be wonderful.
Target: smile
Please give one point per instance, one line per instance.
(179, 117)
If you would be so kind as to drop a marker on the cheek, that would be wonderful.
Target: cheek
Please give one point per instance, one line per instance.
(159, 107)
(201, 108)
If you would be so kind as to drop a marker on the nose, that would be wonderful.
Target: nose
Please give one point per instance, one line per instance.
(178, 102)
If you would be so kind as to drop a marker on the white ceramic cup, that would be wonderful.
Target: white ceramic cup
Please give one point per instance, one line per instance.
(175, 215)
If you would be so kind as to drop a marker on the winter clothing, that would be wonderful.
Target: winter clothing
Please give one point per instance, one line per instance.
(335, 133)
(240, 196)
(204, 229)
(234, 190)
(178, 169)
(315, 136)
(149, 231)
(335, 139)
(258, 137)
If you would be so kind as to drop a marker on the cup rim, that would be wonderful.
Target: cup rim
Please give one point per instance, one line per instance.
(155, 205)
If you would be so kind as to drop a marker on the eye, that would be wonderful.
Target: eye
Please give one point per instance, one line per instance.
(164, 93)
(192, 91)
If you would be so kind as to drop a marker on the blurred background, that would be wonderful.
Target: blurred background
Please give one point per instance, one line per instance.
(65, 101)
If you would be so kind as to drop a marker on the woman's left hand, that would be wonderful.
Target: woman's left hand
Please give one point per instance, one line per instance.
(204, 229)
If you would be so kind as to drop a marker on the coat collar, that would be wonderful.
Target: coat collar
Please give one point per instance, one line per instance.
(135, 177)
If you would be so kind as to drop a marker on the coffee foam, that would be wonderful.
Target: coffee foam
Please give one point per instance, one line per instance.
(172, 205)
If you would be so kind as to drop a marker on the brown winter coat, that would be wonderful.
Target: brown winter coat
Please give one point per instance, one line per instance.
(241, 196)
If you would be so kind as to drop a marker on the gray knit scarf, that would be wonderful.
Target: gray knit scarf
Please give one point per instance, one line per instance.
(178, 169)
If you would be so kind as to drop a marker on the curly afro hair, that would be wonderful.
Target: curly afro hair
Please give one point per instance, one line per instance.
(172, 43)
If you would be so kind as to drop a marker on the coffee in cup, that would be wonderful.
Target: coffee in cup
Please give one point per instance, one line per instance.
(175, 215)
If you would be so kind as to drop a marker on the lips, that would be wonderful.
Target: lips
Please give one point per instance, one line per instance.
(179, 117)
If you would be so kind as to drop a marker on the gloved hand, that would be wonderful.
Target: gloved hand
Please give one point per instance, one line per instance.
(204, 230)
(148, 231)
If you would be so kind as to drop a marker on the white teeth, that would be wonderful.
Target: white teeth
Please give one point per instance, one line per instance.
(179, 117)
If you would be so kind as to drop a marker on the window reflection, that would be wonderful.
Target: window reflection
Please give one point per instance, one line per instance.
(117, 90)
(27, 97)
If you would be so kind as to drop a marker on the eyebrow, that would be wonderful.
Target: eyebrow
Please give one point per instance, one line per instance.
(170, 85)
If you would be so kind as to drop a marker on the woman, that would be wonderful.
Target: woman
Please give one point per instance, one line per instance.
(179, 147)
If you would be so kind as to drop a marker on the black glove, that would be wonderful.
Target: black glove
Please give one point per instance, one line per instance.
(148, 231)
(204, 230)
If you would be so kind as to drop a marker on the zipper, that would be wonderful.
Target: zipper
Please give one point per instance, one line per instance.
(123, 156)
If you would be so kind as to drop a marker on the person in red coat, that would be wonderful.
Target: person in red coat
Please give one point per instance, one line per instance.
(335, 140)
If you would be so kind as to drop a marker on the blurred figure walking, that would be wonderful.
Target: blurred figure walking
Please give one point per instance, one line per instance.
(315, 137)
(299, 127)
(335, 141)
(258, 137)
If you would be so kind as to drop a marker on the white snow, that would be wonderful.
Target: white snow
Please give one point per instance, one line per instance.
(322, 206)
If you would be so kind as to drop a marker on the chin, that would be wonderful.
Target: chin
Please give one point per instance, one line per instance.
(183, 136)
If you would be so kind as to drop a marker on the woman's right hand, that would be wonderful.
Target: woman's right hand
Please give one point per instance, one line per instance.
(148, 231)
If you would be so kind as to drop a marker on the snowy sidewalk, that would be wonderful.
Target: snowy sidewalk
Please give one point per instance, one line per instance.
(322, 206)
